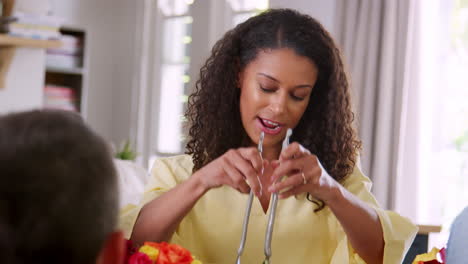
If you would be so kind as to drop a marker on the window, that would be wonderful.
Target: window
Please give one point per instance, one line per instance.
(177, 36)
(244, 9)
(443, 123)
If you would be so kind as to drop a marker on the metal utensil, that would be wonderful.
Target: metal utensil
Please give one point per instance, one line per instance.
(271, 216)
(248, 208)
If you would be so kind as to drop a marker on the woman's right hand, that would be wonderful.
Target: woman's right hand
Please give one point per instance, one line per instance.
(238, 168)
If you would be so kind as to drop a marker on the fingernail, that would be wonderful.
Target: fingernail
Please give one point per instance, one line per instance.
(260, 183)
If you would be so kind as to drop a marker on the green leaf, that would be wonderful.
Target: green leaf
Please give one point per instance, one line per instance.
(126, 153)
(461, 141)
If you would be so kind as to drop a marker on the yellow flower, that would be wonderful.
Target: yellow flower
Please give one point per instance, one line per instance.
(432, 255)
(152, 252)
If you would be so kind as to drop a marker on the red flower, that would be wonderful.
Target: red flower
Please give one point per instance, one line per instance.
(130, 250)
(443, 254)
(171, 253)
(139, 258)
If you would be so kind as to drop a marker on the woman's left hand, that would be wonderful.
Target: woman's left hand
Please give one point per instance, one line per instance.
(304, 174)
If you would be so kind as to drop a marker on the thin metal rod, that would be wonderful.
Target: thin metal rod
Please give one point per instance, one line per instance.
(272, 215)
(271, 223)
(244, 227)
(248, 208)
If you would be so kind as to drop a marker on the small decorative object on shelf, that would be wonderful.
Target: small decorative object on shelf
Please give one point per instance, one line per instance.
(67, 56)
(159, 253)
(435, 256)
(126, 152)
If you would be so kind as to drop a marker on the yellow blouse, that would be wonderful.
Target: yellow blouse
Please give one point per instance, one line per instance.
(212, 229)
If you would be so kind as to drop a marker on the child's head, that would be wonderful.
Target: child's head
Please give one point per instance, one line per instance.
(58, 189)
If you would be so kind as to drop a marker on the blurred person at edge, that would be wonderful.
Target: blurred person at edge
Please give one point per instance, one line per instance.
(58, 197)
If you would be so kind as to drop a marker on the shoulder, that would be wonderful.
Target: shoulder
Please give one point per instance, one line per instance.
(179, 166)
(357, 178)
(183, 160)
(360, 185)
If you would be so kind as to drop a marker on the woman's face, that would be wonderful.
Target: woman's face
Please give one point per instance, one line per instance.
(275, 91)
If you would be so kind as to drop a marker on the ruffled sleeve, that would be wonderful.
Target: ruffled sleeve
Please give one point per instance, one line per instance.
(398, 231)
(166, 173)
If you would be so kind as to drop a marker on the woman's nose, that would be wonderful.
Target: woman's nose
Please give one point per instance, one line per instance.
(278, 103)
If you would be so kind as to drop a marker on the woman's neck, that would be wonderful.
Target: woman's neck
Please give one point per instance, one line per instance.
(271, 153)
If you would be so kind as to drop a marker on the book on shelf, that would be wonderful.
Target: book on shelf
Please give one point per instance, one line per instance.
(60, 97)
(31, 26)
(63, 61)
(69, 55)
(71, 45)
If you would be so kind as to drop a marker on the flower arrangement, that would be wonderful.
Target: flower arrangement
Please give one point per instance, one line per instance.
(435, 256)
(158, 253)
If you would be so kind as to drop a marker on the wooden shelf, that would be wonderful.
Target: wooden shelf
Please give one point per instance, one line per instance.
(426, 229)
(75, 71)
(6, 40)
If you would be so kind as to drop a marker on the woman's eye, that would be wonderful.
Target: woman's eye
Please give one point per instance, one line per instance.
(297, 98)
(267, 90)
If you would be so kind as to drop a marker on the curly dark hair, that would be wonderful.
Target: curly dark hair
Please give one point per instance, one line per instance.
(55, 170)
(326, 128)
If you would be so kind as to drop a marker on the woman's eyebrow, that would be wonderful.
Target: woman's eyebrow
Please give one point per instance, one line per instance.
(273, 79)
(268, 76)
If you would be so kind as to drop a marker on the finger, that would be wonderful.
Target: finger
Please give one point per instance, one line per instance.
(287, 167)
(265, 164)
(252, 155)
(247, 170)
(288, 183)
(235, 179)
(294, 150)
(274, 164)
(293, 191)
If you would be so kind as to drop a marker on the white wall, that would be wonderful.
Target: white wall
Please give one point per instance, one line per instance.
(24, 81)
(322, 10)
(124, 74)
(109, 27)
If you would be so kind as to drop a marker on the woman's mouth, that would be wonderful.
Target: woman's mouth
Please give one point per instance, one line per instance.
(269, 126)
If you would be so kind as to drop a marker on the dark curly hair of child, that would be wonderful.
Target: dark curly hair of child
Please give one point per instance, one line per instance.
(326, 128)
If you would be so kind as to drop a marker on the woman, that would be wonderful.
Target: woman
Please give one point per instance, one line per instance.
(275, 71)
